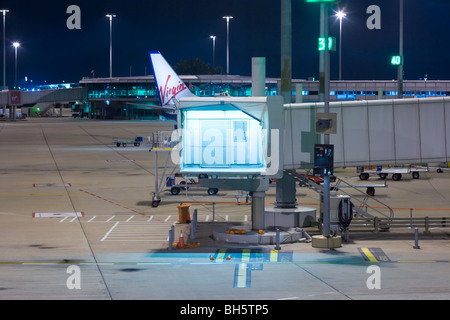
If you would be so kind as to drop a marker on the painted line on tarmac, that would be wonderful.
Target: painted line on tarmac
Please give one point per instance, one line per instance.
(367, 255)
(41, 185)
(242, 276)
(41, 195)
(37, 263)
(143, 263)
(57, 214)
(112, 202)
(375, 255)
(108, 233)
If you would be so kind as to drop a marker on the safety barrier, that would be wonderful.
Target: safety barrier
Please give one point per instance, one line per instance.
(381, 224)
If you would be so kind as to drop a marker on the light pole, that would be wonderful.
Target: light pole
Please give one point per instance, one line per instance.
(228, 42)
(16, 46)
(214, 50)
(324, 94)
(110, 16)
(4, 47)
(400, 67)
(340, 15)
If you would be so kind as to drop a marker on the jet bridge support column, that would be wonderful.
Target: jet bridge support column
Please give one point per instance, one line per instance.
(285, 190)
(258, 205)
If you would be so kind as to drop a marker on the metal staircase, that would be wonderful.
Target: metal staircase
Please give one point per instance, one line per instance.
(367, 206)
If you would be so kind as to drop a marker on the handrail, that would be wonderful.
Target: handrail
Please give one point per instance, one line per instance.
(383, 224)
(303, 178)
(363, 203)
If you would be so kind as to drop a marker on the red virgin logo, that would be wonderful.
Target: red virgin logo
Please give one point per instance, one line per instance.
(168, 93)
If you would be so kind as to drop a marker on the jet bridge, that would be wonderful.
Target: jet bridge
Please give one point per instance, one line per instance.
(239, 143)
(233, 143)
(378, 132)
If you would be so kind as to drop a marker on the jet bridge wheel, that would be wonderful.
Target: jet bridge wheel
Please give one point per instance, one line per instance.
(155, 203)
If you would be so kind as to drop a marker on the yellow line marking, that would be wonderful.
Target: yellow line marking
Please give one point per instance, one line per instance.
(221, 255)
(369, 255)
(273, 255)
(246, 255)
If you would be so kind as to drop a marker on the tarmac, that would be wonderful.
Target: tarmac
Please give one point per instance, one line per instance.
(70, 198)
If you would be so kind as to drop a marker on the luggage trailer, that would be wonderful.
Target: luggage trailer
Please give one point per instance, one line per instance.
(396, 172)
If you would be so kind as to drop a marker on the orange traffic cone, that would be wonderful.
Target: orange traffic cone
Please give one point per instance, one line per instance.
(180, 244)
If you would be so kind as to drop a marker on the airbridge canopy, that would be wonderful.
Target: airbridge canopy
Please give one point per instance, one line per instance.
(51, 95)
(399, 131)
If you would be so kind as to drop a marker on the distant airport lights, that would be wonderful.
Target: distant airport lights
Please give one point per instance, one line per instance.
(340, 15)
(4, 11)
(214, 50)
(228, 42)
(110, 16)
(16, 46)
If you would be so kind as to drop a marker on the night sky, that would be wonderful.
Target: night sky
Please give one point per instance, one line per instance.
(181, 29)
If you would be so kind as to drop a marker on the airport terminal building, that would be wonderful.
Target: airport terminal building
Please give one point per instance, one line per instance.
(132, 98)
(127, 97)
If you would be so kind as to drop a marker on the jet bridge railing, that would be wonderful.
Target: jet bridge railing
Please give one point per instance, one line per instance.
(367, 203)
(368, 206)
(376, 224)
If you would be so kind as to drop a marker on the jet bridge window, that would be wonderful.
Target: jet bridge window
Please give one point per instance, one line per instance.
(240, 131)
(221, 137)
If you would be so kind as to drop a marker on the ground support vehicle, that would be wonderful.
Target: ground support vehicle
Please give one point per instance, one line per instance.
(396, 172)
(175, 188)
(136, 142)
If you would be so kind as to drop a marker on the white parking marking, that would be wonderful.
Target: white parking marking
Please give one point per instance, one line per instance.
(110, 230)
(138, 231)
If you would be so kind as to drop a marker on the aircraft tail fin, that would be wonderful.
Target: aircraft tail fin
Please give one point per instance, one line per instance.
(168, 83)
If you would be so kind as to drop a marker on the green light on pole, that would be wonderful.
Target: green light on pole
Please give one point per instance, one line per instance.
(396, 60)
(331, 44)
